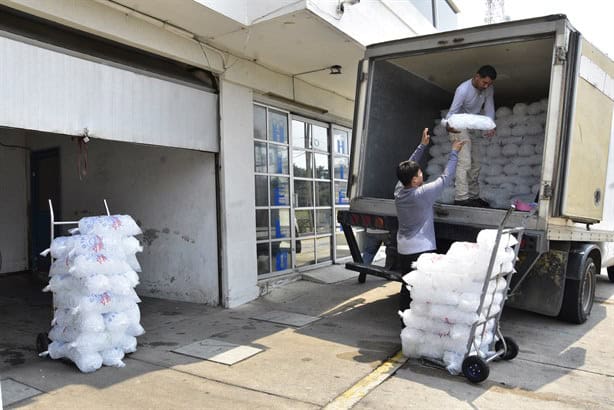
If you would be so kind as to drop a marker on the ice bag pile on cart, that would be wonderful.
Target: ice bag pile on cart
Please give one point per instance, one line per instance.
(511, 161)
(446, 291)
(96, 316)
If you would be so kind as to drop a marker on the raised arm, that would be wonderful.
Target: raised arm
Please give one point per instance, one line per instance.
(416, 156)
(424, 142)
(432, 190)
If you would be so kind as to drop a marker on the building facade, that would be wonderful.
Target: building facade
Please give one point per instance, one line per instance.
(223, 128)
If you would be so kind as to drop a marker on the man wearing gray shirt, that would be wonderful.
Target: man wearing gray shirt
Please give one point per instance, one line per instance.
(474, 96)
(414, 203)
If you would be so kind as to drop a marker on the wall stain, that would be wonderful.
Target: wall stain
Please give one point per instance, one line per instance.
(186, 238)
(176, 232)
(150, 235)
(172, 279)
(166, 230)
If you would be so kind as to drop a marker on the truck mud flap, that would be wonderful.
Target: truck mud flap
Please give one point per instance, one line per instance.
(542, 290)
(374, 270)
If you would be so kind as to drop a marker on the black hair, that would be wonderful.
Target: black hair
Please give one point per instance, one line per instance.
(406, 170)
(488, 71)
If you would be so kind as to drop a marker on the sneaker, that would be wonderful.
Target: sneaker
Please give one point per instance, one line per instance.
(479, 202)
(464, 202)
(473, 202)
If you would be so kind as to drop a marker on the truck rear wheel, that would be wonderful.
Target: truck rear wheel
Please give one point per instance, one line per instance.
(579, 294)
(611, 273)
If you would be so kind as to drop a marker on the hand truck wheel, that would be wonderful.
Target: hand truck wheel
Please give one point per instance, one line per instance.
(512, 348)
(475, 369)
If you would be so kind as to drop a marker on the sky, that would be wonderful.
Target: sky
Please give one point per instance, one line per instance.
(593, 18)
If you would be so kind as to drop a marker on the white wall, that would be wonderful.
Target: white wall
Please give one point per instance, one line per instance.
(170, 192)
(237, 193)
(13, 203)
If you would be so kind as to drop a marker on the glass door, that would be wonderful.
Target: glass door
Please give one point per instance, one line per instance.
(312, 192)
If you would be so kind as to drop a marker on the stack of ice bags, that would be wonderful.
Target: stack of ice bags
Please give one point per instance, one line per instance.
(96, 316)
(446, 291)
(511, 161)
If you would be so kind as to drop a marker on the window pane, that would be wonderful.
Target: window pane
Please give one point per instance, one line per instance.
(319, 137)
(264, 262)
(278, 126)
(324, 220)
(260, 157)
(280, 223)
(307, 255)
(301, 161)
(341, 166)
(323, 246)
(446, 17)
(341, 144)
(425, 7)
(262, 224)
(341, 193)
(280, 192)
(343, 249)
(304, 222)
(299, 136)
(259, 122)
(303, 193)
(262, 192)
(323, 194)
(278, 159)
(322, 166)
(281, 255)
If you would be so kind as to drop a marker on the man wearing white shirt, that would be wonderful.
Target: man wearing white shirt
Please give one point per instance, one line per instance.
(474, 96)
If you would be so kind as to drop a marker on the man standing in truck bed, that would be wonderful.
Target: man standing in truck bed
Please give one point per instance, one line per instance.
(474, 96)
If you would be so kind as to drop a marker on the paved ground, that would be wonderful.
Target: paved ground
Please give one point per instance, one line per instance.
(559, 365)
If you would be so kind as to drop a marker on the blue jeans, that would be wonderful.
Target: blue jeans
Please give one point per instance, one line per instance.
(372, 244)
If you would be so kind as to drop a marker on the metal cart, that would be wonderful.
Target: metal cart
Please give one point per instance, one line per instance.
(475, 364)
(42, 339)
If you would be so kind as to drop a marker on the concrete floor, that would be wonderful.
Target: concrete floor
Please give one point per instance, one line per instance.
(559, 365)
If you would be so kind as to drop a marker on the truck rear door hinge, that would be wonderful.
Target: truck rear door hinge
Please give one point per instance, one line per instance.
(547, 192)
(560, 55)
(363, 76)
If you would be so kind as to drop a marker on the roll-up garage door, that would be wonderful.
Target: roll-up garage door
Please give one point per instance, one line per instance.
(49, 90)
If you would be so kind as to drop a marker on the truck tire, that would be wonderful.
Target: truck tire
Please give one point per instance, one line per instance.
(579, 294)
(611, 273)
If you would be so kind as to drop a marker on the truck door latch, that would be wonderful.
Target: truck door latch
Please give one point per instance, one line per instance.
(560, 55)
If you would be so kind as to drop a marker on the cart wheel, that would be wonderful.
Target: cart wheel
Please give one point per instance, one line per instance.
(475, 369)
(512, 348)
(42, 343)
(362, 277)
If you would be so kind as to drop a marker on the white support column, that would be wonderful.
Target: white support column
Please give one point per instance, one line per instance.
(237, 193)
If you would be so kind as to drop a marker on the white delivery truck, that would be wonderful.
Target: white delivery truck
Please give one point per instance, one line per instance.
(402, 87)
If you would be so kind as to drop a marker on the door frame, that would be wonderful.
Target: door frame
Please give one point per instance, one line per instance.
(35, 158)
